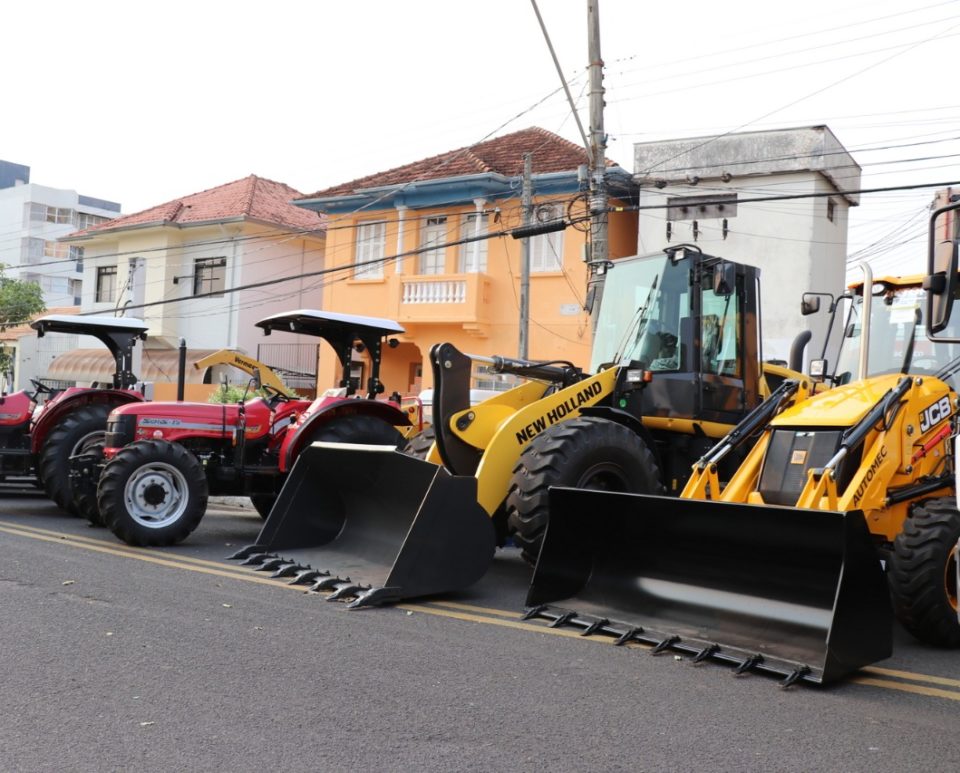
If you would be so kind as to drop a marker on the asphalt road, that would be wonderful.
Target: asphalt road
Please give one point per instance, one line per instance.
(115, 658)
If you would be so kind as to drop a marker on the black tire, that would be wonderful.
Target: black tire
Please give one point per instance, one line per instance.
(359, 429)
(153, 492)
(420, 444)
(74, 432)
(922, 573)
(588, 452)
(263, 503)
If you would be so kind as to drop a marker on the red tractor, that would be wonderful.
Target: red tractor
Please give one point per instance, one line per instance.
(164, 459)
(37, 438)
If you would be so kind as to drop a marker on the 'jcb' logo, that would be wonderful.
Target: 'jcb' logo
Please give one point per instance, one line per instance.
(934, 414)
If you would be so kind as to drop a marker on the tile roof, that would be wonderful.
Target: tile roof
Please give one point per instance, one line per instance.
(251, 197)
(13, 333)
(502, 155)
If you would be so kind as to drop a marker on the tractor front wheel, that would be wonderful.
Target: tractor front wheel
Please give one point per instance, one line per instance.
(152, 492)
(78, 431)
(263, 503)
(922, 573)
(587, 453)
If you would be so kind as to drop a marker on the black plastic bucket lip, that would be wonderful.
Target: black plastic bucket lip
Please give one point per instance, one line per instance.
(742, 660)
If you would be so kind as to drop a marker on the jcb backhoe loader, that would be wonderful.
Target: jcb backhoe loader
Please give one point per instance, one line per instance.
(779, 570)
(676, 363)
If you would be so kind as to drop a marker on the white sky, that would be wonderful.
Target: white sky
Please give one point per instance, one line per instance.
(142, 102)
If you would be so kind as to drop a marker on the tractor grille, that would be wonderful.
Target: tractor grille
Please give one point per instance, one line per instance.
(120, 431)
(790, 454)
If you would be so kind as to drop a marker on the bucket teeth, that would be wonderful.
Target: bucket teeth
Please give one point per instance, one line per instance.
(246, 552)
(347, 590)
(665, 644)
(707, 652)
(328, 583)
(255, 559)
(374, 597)
(271, 564)
(562, 620)
(288, 569)
(595, 626)
(795, 676)
(748, 664)
(533, 612)
(308, 576)
(629, 635)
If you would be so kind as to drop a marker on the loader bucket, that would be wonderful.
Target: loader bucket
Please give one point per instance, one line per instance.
(374, 525)
(796, 593)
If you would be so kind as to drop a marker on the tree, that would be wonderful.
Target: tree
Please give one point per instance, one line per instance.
(19, 303)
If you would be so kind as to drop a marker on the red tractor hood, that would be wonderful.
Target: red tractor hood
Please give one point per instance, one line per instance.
(189, 412)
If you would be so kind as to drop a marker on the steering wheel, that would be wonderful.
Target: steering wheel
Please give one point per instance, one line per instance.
(275, 397)
(41, 388)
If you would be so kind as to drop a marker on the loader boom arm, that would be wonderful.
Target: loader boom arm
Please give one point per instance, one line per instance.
(247, 365)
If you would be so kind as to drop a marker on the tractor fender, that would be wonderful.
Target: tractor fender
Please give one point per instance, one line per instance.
(70, 401)
(627, 420)
(297, 437)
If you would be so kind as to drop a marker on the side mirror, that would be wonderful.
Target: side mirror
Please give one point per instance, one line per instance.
(818, 369)
(809, 304)
(941, 280)
(724, 278)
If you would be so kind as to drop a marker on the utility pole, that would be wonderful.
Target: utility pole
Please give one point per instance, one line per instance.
(599, 252)
(526, 206)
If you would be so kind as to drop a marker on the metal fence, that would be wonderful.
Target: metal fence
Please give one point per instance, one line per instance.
(296, 364)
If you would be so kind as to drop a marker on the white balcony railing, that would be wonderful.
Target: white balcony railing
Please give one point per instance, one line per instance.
(435, 291)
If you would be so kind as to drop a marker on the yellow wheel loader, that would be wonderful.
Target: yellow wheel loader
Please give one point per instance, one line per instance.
(676, 364)
(780, 568)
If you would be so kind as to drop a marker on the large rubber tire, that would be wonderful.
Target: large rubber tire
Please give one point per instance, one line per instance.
(87, 424)
(153, 492)
(420, 444)
(359, 429)
(588, 452)
(922, 573)
(263, 503)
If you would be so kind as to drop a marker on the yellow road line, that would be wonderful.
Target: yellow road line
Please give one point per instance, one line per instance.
(916, 689)
(142, 556)
(910, 675)
(447, 609)
(120, 546)
(471, 608)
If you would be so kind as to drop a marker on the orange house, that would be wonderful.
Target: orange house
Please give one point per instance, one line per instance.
(408, 244)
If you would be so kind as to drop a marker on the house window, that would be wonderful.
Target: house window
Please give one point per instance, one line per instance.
(831, 209)
(546, 250)
(433, 237)
(54, 250)
(106, 284)
(76, 287)
(86, 220)
(209, 276)
(44, 214)
(371, 238)
(32, 249)
(76, 255)
(473, 255)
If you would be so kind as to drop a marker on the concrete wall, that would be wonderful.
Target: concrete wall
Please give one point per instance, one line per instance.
(799, 244)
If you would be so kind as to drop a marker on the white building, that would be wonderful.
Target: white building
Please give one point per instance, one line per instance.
(32, 218)
(777, 200)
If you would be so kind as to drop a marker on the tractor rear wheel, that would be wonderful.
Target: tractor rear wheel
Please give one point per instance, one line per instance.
(359, 429)
(420, 444)
(153, 492)
(587, 453)
(263, 503)
(922, 573)
(78, 431)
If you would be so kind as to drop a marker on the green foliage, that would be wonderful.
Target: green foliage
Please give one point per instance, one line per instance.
(234, 393)
(19, 301)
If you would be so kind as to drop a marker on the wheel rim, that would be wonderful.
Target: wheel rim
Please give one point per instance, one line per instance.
(156, 495)
(950, 579)
(604, 477)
